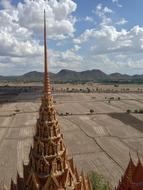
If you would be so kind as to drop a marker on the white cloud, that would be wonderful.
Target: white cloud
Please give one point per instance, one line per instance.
(76, 48)
(110, 63)
(89, 19)
(122, 21)
(19, 48)
(103, 47)
(6, 4)
(117, 3)
(85, 36)
(135, 64)
(14, 39)
(65, 60)
(103, 13)
(57, 60)
(109, 40)
(60, 22)
(113, 50)
(107, 10)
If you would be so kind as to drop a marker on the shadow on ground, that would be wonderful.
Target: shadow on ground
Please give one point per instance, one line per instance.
(128, 119)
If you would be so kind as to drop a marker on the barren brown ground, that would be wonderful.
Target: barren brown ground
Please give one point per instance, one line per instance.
(99, 142)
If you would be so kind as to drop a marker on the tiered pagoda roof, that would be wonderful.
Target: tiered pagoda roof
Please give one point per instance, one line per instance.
(49, 167)
(133, 177)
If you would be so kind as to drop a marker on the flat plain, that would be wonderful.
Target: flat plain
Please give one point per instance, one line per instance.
(98, 141)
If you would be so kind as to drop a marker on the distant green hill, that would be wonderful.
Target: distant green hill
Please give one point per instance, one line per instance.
(73, 76)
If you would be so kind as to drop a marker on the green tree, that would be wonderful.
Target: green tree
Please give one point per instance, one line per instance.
(98, 182)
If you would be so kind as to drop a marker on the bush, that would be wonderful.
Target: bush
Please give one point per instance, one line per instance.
(98, 183)
(136, 111)
(116, 85)
(128, 111)
(140, 111)
(91, 111)
(17, 110)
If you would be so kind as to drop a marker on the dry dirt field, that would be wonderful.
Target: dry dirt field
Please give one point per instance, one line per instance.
(99, 141)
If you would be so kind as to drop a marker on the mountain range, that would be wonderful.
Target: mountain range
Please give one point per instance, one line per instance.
(74, 76)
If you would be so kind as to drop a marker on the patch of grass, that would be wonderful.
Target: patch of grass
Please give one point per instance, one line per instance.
(98, 182)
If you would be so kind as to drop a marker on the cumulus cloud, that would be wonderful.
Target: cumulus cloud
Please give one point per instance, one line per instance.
(104, 47)
(87, 34)
(111, 63)
(103, 12)
(20, 49)
(109, 40)
(60, 22)
(57, 60)
(6, 4)
(119, 49)
(14, 39)
(65, 60)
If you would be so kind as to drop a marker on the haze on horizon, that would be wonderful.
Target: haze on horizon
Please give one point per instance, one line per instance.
(100, 34)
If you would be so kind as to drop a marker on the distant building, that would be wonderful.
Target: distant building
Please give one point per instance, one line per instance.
(133, 177)
(49, 167)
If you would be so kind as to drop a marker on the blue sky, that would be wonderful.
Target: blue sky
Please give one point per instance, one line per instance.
(93, 34)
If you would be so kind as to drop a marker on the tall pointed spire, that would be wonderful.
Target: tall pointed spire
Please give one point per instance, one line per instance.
(49, 166)
(47, 88)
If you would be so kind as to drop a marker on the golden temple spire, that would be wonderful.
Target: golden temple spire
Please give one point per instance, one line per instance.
(47, 88)
(49, 166)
